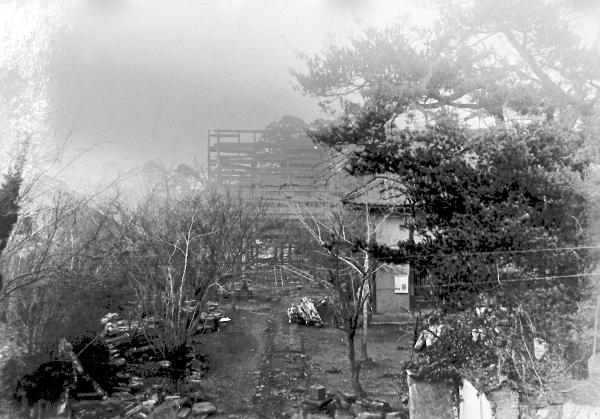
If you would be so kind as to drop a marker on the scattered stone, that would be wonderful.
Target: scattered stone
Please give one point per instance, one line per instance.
(183, 412)
(164, 363)
(381, 406)
(167, 410)
(203, 408)
(396, 415)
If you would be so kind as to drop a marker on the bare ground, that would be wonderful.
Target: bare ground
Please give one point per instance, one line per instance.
(262, 367)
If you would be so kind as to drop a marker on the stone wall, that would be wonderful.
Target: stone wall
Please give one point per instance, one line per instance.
(431, 400)
(443, 400)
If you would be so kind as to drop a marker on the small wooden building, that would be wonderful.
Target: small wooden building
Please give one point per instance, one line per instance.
(392, 289)
(397, 286)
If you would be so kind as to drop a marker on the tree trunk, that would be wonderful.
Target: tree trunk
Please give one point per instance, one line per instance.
(364, 356)
(354, 366)
(366, 289)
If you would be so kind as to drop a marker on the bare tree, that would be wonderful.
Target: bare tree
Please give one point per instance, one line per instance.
(179, 252)
(345, 236)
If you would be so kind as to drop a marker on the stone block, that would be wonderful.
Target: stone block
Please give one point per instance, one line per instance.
(203, 409)
(506, 402)
(317, 404)
(167, 410)
(431, 400)
(317, 392)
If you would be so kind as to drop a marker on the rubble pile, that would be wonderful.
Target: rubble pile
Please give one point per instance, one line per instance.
(321, 404)
(143, 380)
(146, 406)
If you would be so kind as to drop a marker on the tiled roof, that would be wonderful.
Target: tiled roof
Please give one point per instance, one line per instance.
(377, 192)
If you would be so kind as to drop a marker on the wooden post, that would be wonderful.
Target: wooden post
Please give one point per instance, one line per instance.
(208, 155)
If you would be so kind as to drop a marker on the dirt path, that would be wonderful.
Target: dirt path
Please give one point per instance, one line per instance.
(258, 363)
(262, 367)
(235, 354)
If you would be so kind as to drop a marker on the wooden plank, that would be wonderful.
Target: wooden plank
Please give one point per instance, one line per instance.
(232, 178)
(238, 160)
(208, 170)
(287, 154)
(242, 131)
(241, 165)
(225, 135)
(226, 147)
(290, 170)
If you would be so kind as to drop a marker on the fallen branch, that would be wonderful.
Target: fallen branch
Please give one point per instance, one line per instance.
(66, 349)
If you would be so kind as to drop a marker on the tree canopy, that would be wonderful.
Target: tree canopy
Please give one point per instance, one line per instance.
(479, 123)
(472, 191)
(485, 60)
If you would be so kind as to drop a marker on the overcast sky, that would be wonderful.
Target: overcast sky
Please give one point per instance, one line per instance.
(147, 78)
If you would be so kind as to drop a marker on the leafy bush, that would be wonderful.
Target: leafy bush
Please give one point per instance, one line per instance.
(495, 345)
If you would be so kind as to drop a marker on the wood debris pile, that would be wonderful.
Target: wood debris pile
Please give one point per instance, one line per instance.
(304, 313)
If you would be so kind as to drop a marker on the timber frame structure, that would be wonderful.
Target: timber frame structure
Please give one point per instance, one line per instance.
(286, 174)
